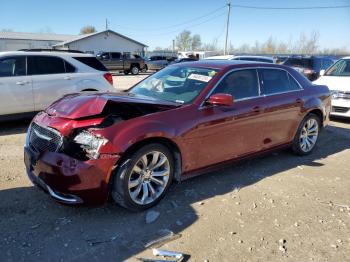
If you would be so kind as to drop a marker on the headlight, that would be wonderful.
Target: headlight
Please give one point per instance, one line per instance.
(90, 143)
(335, 94)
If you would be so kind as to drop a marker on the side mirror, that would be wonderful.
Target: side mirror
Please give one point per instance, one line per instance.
(220, 100)
(322, 72)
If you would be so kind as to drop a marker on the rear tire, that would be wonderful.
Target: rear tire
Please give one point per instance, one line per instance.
(143, 178)
(307, 135)
(135, 70)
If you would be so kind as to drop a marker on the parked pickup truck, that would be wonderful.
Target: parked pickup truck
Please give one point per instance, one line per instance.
(127, 63)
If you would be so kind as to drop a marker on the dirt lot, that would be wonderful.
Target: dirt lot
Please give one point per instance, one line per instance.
(275, 208)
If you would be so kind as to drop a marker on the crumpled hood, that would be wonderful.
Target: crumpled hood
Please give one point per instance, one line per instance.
(76, 106)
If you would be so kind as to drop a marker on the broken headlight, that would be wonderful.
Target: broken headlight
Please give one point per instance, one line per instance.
(90, 143)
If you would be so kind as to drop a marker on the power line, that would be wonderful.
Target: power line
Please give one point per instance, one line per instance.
(175, 25)
(291, 8)
(186, 28)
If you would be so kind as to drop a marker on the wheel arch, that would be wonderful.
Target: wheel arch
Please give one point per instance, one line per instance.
(317, 107)
(170, 144)
(318, 112)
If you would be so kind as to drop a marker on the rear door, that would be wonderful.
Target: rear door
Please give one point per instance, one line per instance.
(50, 80)
(16, 91)
(282, 103)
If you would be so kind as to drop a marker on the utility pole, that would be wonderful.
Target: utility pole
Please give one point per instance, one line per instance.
(106, 24)
(173, 46)
(227, 24)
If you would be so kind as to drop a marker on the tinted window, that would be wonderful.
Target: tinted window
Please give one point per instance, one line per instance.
(44, 65)
(91, 62)
(116, 55)
(299, 62)
(293, 85)
(240, 84)
(105, 56)
(277, 81)
(69, 67)
(13, 66)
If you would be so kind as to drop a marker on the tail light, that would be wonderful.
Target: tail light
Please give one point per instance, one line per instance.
(108, 77)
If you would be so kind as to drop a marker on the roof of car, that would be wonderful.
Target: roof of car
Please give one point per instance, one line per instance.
(48, 53)
(232, 57)
(252, 56)
(222, 64)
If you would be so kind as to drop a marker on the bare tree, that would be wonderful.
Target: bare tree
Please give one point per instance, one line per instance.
(213, 46)
(183, 40)
(87, 30)
(6, 30)
(196, 42)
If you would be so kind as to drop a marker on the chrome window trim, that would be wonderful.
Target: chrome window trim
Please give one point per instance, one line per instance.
(202, 105)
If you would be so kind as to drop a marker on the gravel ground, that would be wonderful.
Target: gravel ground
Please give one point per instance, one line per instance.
(274, 208)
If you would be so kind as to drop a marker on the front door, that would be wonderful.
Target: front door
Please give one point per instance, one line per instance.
(223, 132)
(16, 91)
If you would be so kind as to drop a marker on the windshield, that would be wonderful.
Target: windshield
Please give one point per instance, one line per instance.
(340, 68)
(175, 83)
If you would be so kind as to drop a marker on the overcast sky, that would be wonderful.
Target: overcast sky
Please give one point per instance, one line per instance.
(157, 22)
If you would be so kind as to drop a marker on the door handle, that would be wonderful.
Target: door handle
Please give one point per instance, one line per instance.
(67, 78)
(256, 109)
(21, 83)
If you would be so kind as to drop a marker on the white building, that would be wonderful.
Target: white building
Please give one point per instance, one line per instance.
(93, 43)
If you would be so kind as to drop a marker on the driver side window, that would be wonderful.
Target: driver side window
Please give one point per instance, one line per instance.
(240, 84)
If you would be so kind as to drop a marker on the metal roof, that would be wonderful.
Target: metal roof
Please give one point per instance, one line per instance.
(64, 39)
(77, 38)
(35, 36)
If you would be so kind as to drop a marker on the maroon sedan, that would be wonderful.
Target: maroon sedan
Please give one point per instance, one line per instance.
(181, 121)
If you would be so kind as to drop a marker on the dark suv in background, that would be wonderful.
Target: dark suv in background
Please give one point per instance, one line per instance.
(125, 62)
(310, 66)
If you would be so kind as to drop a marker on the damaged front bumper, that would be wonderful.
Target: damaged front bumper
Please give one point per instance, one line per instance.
(68, 180)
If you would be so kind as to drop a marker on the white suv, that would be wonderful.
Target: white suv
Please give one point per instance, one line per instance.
(31, 81)
(337, 78)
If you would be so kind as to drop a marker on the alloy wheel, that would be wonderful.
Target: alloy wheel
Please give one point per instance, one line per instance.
(309, 135)
(149, 177)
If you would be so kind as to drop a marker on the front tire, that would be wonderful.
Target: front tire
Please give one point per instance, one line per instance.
(307, 135)
(143, 179)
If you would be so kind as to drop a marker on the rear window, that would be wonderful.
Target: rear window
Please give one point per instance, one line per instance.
(91, 62)
(277, 81)
(299, 62)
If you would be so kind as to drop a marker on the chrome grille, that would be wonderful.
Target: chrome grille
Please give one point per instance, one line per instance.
(344, 95)
(341, 95)
(43, 139)
(339, 109)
